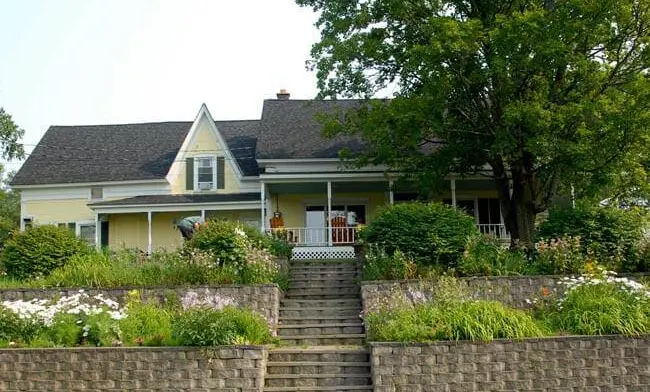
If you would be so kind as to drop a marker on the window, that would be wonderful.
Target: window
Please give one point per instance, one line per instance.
(87, 232)
(96, 193)
(205, 174)
(28, 223)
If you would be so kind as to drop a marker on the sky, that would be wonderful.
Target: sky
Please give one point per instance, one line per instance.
(74, 62)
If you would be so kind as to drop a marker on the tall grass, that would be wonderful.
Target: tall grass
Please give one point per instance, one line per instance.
(472, 320)
(125, 269)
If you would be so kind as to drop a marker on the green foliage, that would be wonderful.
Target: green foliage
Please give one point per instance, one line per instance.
(147, 324)
(15, 329)
(275, 244)
(612, 235)
(225, 240)
(467, 320)
(486, 255)
(431, 233)
(600, 309)
(559, 256)
(209, 327)
(378, 265)
(38, 250)
(123, 269)
(545, 92)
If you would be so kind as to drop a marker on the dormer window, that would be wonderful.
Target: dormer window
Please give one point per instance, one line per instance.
(206, 174)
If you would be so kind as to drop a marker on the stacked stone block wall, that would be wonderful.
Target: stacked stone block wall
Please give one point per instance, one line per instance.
(571, 364)
(225, 369)
(513, 291)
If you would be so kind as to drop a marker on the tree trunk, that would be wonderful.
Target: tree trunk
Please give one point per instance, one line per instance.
(518, 206)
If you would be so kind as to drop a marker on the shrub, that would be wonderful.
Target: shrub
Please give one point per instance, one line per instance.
(431, 233)
(559, 256)
(259, 267)
(209, 327)
(226, 241)
(38, 250)
(599, 303)
(16, 329)
(458, 320)
(378, 265)
(611, 234)
(147, 324)
(276, 244)
(486, 255)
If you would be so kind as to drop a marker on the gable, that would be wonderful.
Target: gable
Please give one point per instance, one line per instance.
(205, 140)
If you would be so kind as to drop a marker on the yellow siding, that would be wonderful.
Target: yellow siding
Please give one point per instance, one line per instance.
(131, 231)
(51, 211)
(205, 143)
(293, 206)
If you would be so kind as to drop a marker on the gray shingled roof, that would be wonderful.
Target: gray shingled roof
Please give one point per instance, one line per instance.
(180, 199)
(98, 153)
(290, 129)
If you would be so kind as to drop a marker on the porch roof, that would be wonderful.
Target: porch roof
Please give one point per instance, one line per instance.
(155, 203)
(180, 199)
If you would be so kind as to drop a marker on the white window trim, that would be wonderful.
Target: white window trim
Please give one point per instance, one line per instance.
(196, 173)
(90, 193)
(85, 223)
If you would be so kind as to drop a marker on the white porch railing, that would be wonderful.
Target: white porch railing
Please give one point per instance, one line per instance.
(498, 230)
(316, 236)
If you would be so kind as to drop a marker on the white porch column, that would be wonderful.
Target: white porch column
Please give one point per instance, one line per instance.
(329, 213)
(263, 206)
(149, 242)
(98, 237)
(391, 196)
(203, 215)
(453, 193)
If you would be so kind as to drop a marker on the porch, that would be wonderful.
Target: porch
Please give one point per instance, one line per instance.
(329, 214)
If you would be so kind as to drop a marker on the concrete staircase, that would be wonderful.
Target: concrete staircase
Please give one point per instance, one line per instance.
(321, 332)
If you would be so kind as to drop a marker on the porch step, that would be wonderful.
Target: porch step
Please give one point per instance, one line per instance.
(352, 317)
(322, 329)
(316, 380)
(324, 340)
(315, 276)
(322, 284)
(326, 312)
(320, 303)
(319, 353)
(318, 367)
(323, 293)
(346, 388)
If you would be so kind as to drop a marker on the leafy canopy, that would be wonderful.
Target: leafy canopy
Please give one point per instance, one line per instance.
(547, 92)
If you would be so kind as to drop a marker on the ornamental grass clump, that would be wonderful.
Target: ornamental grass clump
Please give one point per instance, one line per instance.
(599, 303)
(445, 311)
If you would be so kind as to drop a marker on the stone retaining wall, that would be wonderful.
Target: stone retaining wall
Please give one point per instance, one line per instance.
(226, 369)
(572, 364)
(514, 291)
(262, 298)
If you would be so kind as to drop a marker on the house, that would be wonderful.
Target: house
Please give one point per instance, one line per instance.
(126, 185)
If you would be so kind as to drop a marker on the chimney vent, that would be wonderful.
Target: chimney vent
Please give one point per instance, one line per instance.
(283, 94)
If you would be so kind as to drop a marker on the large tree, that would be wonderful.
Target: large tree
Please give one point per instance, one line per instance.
(10, 148)
(536, 94)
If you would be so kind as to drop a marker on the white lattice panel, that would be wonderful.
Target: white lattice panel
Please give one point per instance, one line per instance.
(323, 252)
